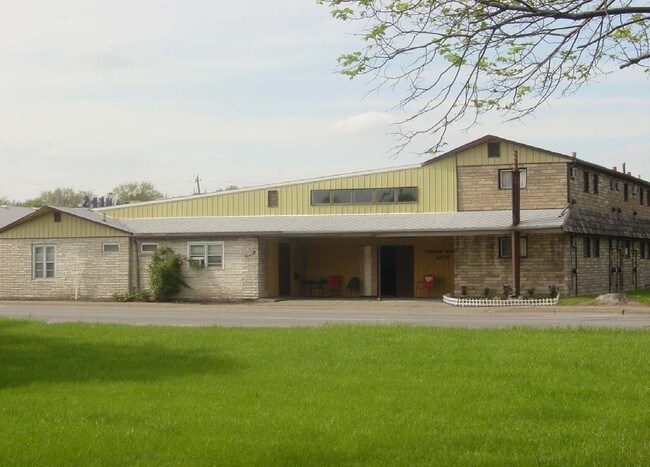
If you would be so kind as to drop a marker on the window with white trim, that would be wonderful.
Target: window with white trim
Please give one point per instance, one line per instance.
(505, 179)
(206, 254)
(148, 247)
(43, 261)
(111, 247)
(505, 247)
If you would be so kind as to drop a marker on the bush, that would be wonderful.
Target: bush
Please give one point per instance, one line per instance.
(136, 295)
(166, 274)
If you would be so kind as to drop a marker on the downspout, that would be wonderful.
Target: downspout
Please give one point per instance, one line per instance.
(516, 219)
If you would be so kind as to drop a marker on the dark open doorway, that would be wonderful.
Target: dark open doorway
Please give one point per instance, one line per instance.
(284, 269)
(396, 272)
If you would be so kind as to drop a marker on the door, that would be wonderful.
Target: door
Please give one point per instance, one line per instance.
(396, 271)
(404, 268)
(284, 269)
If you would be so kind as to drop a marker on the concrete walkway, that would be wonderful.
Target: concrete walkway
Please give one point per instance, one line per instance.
(319, 312)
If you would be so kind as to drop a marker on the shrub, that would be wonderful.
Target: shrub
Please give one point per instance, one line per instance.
(136, 295)
(166, 274)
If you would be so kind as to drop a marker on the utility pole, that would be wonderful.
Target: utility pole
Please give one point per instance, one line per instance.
(198, 185)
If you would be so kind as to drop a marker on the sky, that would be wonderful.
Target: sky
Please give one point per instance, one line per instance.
(96, 93)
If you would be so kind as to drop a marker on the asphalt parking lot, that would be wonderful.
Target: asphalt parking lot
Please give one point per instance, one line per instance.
(321, 312)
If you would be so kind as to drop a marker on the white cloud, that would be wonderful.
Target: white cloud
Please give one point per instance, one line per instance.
(366, 121)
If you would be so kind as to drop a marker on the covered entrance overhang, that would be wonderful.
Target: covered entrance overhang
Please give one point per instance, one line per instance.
(387, 255)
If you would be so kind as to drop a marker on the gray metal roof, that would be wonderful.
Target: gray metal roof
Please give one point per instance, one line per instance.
(89, 214)
(9, 214)
(441, 223)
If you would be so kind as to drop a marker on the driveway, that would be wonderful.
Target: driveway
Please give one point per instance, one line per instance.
(319, 312)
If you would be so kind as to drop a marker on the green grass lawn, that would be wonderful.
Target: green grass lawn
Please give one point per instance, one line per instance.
(79, 394)
(641, 296)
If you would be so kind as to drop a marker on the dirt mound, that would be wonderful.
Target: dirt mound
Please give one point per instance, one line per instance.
(611, 299)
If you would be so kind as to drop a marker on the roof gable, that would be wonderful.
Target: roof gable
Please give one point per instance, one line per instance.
(71, 223)
(491, 139)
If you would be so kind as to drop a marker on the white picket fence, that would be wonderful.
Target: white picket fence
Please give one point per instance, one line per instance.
(499, 302)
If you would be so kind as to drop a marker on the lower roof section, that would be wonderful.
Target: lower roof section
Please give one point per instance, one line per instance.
(614, 224)
(394, 224)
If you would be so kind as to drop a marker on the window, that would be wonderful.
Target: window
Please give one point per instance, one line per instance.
(362, 196)
(586, 247)
(596, 243)
(111, 247)
(365, 196)
(384, 195)
(341, 196)
(407, 195)
(626, 248)
(57, 216)
(320, 197)
(272, 198)
(505, 247)
(208, 254)
(626, 195)
(641, 193)
(641, 250)
(505, 179)
(596, 183)
(43, 261)
(614, 185)
(494, 149)
(585, 181)
(148, 247)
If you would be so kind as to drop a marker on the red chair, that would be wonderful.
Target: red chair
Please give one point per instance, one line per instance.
(427, 283)
(334, 285)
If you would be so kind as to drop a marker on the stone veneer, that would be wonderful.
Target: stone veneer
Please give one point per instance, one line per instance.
(477, 264)
(594, 274)
(239, 279)
(80, 264)
(551, 260)
(608, 198)
(478, 187)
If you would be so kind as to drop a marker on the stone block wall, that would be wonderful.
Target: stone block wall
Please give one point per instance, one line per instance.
(478, 187)
(239, 279)
(477, 264)
(80, 264)
(607, 198)
(594, 274)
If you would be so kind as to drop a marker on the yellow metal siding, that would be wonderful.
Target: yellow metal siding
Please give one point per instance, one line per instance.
(436, 183)
(69, 227)
(478, 155)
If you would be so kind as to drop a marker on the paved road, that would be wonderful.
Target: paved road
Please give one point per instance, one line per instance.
(319, 312)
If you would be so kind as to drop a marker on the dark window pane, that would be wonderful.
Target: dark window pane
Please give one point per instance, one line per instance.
(273, 198)
(494, 149)
(385, 196)
(407, 195)
(363, 196)
(341, 196)
(320, 197)
(505, 247)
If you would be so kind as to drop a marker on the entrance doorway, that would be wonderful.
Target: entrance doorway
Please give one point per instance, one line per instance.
(284, 269)
(396, 271)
